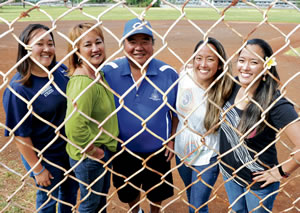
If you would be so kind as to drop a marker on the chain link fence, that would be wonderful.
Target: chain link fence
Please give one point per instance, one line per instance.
(175, 41)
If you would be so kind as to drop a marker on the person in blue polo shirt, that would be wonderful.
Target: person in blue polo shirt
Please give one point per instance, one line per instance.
(146, 120)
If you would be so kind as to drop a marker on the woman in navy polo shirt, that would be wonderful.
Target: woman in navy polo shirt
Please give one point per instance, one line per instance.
(33, 134)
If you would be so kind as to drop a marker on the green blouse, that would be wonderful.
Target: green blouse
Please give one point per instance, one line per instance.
(97, 103)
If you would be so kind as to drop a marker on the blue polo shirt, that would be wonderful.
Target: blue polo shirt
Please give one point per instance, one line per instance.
(143, 101)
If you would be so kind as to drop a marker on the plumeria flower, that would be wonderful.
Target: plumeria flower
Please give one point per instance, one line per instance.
(271, 62)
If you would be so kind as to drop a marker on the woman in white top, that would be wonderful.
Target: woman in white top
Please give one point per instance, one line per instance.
(197, 144)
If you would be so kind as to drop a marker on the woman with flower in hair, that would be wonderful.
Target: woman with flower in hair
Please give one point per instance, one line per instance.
(251, 118)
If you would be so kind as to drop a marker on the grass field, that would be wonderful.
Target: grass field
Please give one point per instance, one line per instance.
(292, 53)
(9, 13)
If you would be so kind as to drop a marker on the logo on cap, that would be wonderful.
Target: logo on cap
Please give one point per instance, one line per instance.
(137, 26)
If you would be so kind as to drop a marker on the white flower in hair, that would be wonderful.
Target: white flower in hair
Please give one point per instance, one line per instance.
(272, 62)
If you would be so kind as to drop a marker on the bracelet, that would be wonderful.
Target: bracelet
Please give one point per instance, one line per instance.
(282, 173)
(36, 174)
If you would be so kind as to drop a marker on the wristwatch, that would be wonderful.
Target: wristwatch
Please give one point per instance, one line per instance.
(282, 173)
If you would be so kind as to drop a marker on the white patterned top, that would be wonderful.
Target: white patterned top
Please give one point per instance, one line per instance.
(191, 105)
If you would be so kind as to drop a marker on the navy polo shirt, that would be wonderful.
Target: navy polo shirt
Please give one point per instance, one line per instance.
(50, 105)
(143, 101)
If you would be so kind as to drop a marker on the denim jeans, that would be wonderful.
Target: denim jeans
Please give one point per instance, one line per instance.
(250, 201)
(87, 171)
(198, 193)
(66, 192)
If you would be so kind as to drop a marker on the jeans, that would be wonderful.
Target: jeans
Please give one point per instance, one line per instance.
(250, 200)
(67, 191)
(198, 193)
(87, 171)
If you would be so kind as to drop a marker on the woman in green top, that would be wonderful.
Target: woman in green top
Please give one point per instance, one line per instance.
(92, 136)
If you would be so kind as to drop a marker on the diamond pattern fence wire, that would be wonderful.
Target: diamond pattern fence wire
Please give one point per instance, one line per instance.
(174, 44)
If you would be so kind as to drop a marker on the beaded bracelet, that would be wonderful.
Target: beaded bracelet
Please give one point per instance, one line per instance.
(36, 174)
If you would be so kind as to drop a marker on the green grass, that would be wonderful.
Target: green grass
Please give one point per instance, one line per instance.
(9, 182)
(10, 209)
(234, 14)
(292, 53)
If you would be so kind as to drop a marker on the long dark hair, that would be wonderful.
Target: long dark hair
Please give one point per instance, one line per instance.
(220, 91)
(263, 95)
(25, 67)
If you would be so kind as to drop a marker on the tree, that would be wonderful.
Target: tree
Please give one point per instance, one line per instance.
(143, 3)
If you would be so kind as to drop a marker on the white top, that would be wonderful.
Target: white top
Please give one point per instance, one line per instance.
(191, 105)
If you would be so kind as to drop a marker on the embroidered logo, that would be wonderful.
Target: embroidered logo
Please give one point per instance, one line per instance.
(155, 96)
(47, 91)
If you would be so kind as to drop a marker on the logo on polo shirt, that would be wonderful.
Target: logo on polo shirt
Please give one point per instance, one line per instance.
(155, 96)
(47, 91)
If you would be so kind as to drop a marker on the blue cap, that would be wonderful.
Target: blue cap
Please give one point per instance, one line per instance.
(135, 24)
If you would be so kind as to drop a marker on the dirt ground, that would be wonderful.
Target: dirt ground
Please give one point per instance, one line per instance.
(181, 40)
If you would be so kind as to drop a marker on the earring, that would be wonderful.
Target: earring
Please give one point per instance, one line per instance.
(264, 78)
